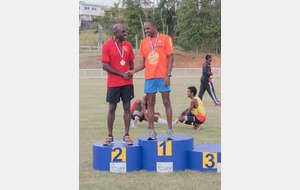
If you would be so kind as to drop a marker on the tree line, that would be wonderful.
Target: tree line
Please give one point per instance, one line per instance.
(194, 25)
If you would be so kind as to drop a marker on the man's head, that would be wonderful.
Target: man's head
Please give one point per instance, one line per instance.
(191, 91)
(150, 27)
(208, 57)
(119, 32)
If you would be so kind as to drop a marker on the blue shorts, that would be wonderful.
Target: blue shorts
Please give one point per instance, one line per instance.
(156, 85)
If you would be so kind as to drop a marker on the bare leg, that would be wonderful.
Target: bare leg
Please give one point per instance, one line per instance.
(111, 117)
(197, 127)
(126, 116)
(150, 109)
(168, 108)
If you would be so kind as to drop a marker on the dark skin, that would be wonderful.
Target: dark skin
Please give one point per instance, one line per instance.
(193, 104)
(119, 36)
(143, 102)
(152, 32)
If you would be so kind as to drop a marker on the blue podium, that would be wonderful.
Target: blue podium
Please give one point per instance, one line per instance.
(163, 155)
(205, 158)
(159, 155)
(118, 157)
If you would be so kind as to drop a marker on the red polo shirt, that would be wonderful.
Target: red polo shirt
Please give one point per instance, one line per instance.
(111, 55)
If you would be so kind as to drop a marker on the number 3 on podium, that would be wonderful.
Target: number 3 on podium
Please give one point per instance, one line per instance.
(209, 160)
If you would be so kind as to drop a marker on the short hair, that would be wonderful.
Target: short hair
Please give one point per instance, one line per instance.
(116, 27)
(207, 56)
(150, 20)
(193, 90)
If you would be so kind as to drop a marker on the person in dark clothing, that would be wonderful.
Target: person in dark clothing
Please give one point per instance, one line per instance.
(206, 81)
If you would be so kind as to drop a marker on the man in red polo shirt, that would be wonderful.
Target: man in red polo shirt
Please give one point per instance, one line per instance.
(117, 59)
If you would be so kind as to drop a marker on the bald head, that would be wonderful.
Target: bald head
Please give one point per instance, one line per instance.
(117, 27)
(119, 32)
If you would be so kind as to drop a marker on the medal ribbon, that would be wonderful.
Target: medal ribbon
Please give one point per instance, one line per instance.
(121, 53)
(153, 46)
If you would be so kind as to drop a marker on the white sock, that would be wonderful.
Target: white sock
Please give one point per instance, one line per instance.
(162, 121)
(174, 123)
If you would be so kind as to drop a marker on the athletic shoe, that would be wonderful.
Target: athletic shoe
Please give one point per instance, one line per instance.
(152, 134)
(108, 141)
(169, 134)
(127, 140)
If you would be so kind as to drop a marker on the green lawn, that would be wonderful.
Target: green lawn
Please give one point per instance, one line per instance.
(93, 128)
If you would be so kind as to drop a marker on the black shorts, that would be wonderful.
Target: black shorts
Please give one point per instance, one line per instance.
(114, 94)
(191, 120)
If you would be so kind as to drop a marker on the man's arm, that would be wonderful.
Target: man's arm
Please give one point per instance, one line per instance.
(170, 64)
(169, 71)
(138, 68)
(112, 70)
(131, 65)
(192, 105)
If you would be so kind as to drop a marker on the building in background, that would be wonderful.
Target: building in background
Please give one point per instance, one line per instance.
(88, 12)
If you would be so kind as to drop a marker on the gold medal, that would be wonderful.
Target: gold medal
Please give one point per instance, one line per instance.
(153, 58)
(122, 62)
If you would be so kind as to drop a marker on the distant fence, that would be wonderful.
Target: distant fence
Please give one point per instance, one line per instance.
(89, 47)
(176, 72)
(97, 48)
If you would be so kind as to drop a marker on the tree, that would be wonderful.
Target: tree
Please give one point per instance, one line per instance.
(194, 24)
(199, 25)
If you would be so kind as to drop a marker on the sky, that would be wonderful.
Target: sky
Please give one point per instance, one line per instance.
(102, 2)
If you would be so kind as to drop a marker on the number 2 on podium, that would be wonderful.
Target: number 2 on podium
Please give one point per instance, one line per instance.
(118, 154)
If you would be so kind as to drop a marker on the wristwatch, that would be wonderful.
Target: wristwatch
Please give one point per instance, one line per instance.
(169, 75)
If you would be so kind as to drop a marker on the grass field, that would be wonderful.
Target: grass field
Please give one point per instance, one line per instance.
(93, 128)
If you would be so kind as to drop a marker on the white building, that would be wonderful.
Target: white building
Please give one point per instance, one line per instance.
(89, 11)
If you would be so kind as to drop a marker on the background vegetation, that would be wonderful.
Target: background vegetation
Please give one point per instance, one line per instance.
(195, 25)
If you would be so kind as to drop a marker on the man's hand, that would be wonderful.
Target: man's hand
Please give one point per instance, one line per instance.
(126, 75)
(167, 81)
(130, 72)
